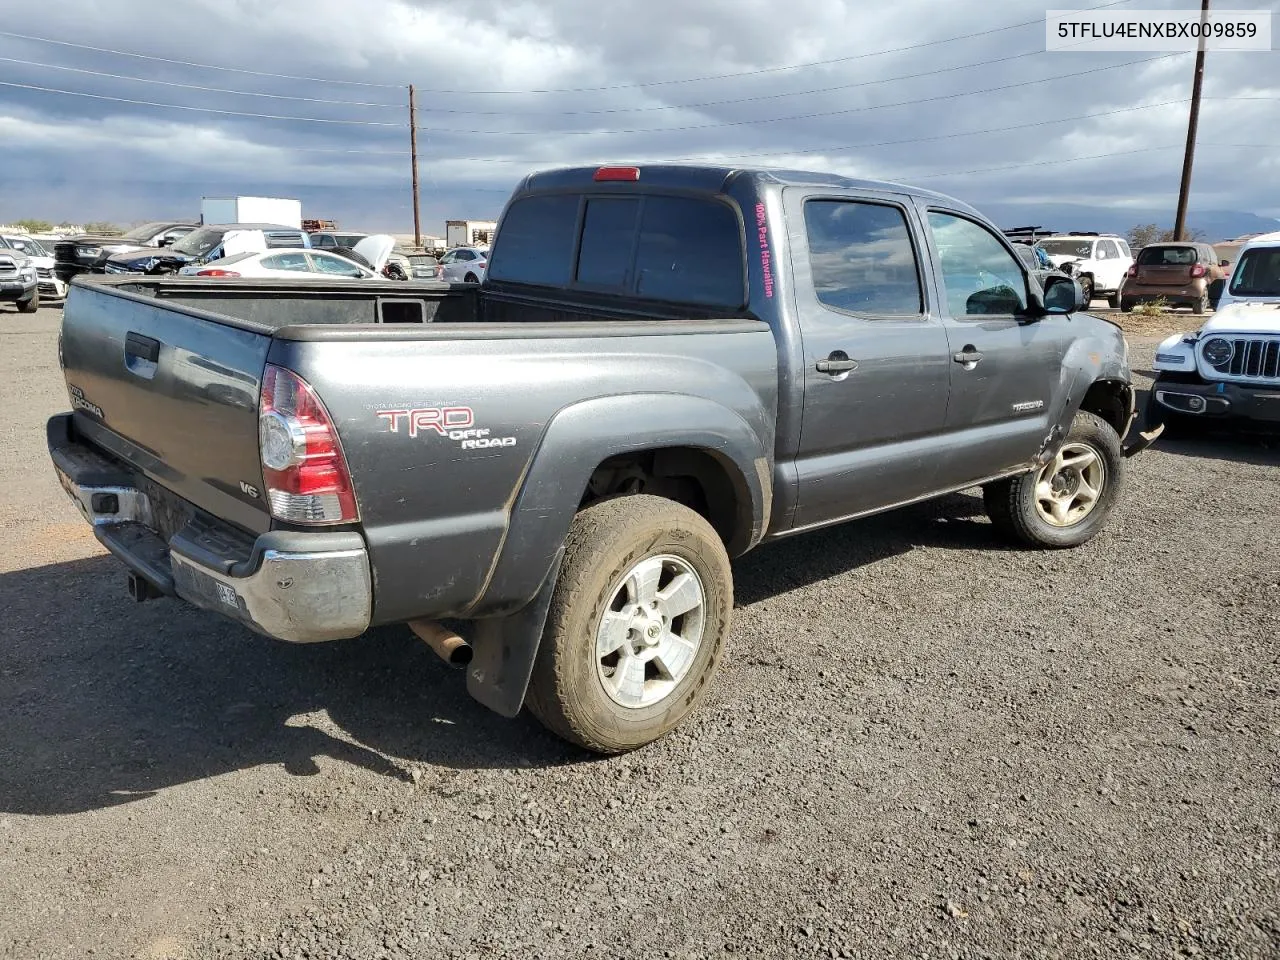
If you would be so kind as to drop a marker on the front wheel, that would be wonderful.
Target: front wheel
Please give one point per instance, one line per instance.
(31, 304)
(1066, 502)
(636, 625)
(470, 278)
(1086, 287)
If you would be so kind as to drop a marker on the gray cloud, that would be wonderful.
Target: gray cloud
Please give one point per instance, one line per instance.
(82, 158)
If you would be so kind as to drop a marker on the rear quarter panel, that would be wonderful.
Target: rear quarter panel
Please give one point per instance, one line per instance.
(470, 446)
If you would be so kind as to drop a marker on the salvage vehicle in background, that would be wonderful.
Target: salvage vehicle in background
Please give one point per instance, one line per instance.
(18, 283)
(85, 253)
(52, 290)
(203, 245)
(1100, 261)
(463, 265)
(1036, 261)
(295, 264)
(665, 367)
(1181, 274)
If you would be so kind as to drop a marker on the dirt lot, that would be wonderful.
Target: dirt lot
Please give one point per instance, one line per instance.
(922, 743)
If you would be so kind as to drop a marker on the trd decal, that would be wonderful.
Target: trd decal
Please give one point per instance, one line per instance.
(456, 423)
(439, 419)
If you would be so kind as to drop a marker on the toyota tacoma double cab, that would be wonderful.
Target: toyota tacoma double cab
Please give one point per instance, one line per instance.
(546, 475)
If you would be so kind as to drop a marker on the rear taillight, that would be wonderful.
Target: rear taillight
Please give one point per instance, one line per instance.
(302, 463)
(1197, 270)
(1132, 271)
(482, 264)
(439, 271)
(216, 273)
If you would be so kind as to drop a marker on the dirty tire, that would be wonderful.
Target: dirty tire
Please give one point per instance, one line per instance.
(30, 305)
(1199, 307)
(1011, 503)
(604, 542)
(1086, 286)
(1115, 300)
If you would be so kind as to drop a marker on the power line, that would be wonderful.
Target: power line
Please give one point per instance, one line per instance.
(196, 86)
(178, 106)
(192, 63)
(544, 132)
(1096, 156)
(805, 116)
(618, 86)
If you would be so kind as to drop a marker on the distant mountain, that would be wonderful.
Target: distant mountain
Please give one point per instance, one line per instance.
(1214, 224)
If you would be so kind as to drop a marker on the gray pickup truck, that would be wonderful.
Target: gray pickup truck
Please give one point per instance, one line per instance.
(665, 367)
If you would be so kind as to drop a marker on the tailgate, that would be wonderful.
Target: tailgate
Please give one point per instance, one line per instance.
(173, 391)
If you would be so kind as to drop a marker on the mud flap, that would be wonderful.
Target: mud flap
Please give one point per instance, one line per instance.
(505, 648)
(1144, 439)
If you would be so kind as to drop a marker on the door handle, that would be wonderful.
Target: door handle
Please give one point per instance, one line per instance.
(969, 356)
(837, 362)
(143, 348)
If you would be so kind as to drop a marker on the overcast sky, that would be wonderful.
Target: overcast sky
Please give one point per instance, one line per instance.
(507, 86)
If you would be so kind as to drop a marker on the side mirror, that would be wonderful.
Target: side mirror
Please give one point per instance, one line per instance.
(1224, 263)
(1063, 295)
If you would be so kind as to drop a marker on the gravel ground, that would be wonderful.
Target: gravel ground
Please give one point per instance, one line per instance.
(922, 744)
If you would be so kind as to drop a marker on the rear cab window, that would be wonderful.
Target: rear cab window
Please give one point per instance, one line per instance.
(678, 249)
(1170, 256)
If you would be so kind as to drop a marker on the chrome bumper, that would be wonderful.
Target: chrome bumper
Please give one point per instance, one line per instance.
(298, 587)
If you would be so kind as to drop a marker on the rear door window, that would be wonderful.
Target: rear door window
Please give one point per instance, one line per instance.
(284, 261)
(862, 258)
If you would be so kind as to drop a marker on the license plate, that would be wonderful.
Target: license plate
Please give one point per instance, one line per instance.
(227, 595)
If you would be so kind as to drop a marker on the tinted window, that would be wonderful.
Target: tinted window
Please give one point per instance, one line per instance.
(690, 251)
(466, 255)
(607, 234)
(322, 240)
(980, 275)
(862, 258)
(1167, 256)
(535, 243)
(326, 263)
(287, 261)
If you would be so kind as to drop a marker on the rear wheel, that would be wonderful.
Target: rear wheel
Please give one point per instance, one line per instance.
(1201, 305)
(31, 304)
(1114, 300)
(636, 626)
(470, 278)
(1066, 502)
(1126, 306)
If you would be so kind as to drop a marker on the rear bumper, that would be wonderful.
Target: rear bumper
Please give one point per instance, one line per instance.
(1220, 401)
(1179, 296)
(299, 587)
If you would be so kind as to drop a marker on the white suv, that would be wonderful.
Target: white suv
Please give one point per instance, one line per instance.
(1098, 260)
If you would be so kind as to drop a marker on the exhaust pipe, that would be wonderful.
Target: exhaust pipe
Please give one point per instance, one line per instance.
(141, 589)
(448, 646)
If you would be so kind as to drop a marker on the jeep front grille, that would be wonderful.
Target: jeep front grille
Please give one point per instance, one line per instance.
(1253, 359)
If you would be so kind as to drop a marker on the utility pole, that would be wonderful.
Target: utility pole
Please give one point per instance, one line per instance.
(1193, 121)
(412, 150)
